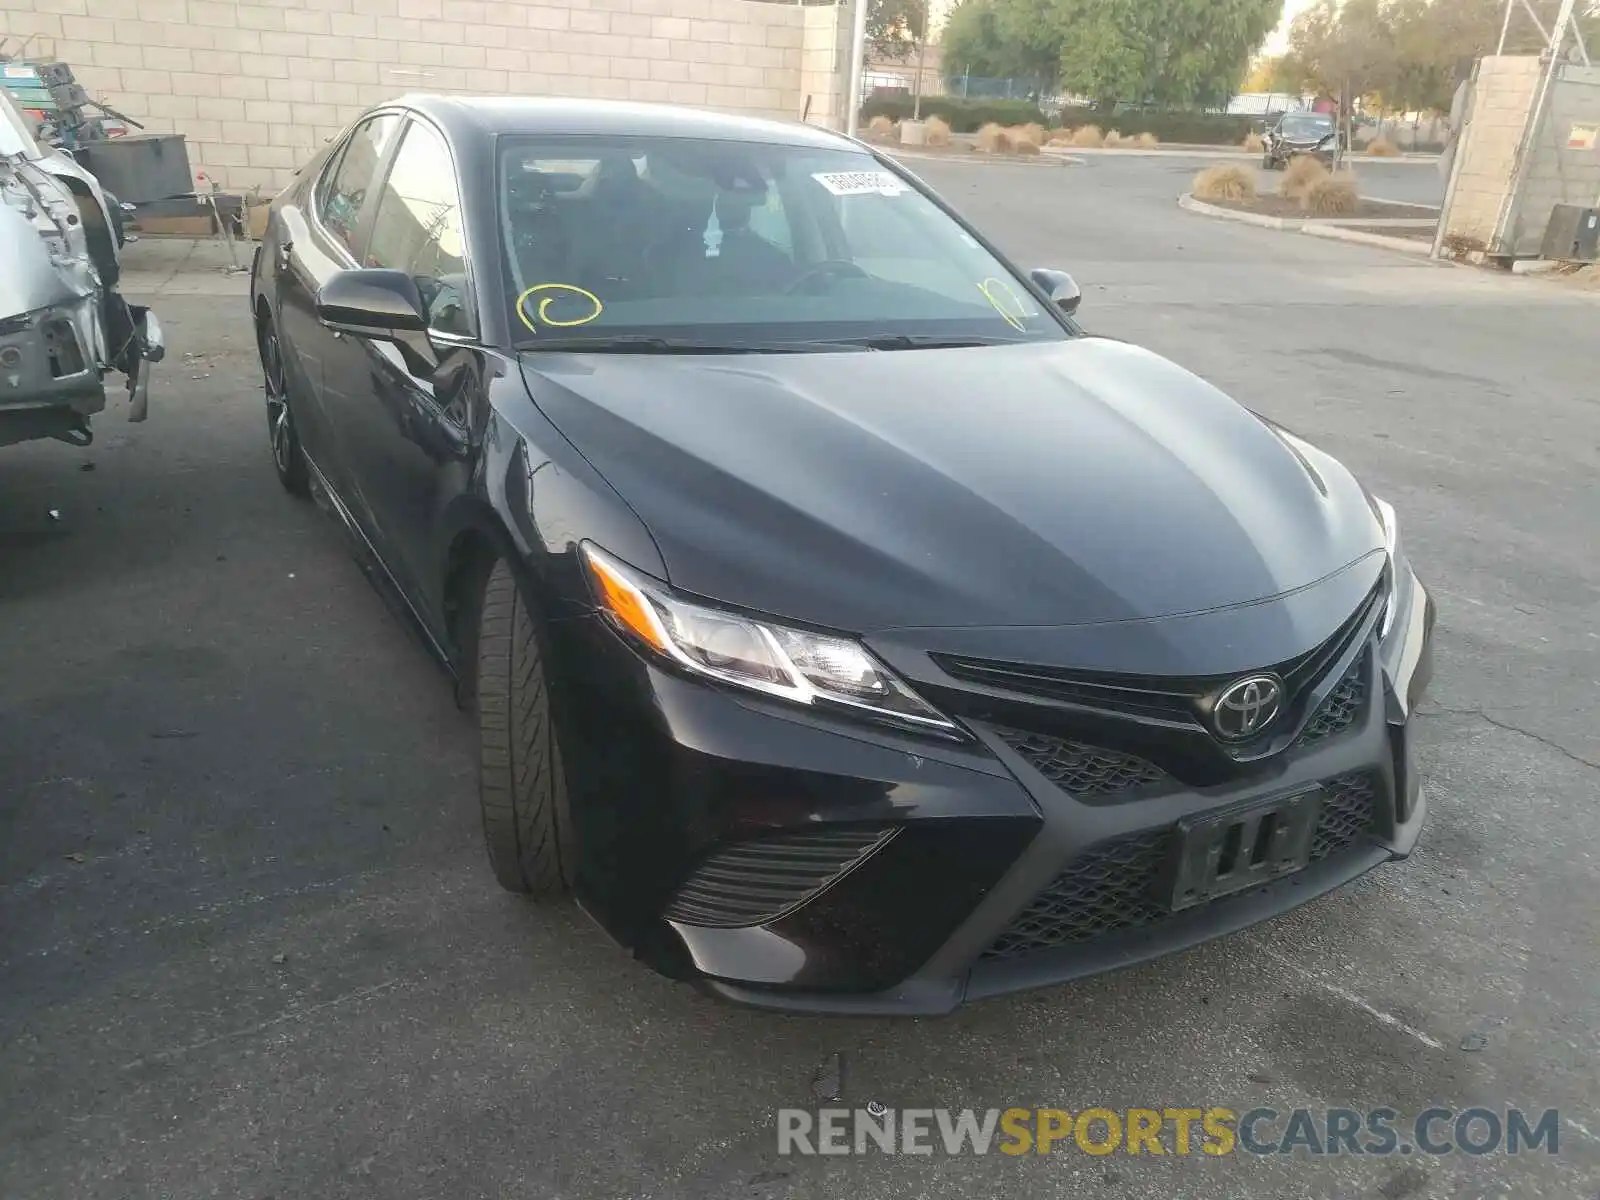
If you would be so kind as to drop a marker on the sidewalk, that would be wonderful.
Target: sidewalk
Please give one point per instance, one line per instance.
(160, 266)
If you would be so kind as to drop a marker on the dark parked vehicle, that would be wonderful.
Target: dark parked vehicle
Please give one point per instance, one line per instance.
(1301, 133)
(847, 628)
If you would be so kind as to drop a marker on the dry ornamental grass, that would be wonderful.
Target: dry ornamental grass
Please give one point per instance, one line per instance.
(1113, 140)
(1300, 175)
(1382, 147)
(1088, 137)
(880, 128)
(1061, 137)
(992, 139)
(1332, 196)
(1022, 144)
(1227, 182)
(1147, 141)
(1253, 143)
(1033, 133)
(937, 132)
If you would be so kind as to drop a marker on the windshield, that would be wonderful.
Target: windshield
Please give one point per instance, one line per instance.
(1307, 126)
(721, 241)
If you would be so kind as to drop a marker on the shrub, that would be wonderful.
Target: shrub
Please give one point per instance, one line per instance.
(1087, 137)
(1032, 132)
(1299, 175)
(880, 129)
(1382, 147)
(937, 132)
(1253, 143)
(1021, 143)
(1061, 137)
(1113, 140)
(1147, 141)
(1332, 196)
(1227, 181)
(1194, 128)
(993, 139)
(962, 114)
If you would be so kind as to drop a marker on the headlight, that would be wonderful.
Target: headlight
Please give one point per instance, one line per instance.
(793, 664)
(1391, 547)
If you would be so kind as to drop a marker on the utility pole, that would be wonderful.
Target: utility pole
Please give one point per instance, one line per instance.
(858, 65)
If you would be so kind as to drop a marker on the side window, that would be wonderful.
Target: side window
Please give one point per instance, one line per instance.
(418, 227)
(344, 189)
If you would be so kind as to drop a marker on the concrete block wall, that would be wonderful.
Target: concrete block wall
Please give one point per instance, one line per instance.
(1503, 97)
(825, 64)
(257, 87)
(1557, 173)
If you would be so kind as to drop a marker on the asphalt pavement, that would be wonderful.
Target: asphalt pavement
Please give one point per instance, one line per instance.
(251, 948)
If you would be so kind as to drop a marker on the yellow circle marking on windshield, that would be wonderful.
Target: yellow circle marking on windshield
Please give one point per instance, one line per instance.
(990, 287)
(558, 291)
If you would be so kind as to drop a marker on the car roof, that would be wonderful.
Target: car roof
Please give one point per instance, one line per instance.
(467, 117)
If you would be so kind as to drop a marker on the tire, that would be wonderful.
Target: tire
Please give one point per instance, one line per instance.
(288, 458)
(527, 825)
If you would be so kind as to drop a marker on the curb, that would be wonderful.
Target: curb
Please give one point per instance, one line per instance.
(1312, 227)
(987, 160)
(1288, 224)
(1362, 238)
(1225, 152)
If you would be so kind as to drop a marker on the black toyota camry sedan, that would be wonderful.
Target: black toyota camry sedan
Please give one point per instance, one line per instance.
(844, 627)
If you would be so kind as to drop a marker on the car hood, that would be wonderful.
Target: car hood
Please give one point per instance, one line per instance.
(1046, 484)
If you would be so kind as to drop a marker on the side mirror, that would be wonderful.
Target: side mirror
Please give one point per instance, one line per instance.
(1059, 286)
(376, 302)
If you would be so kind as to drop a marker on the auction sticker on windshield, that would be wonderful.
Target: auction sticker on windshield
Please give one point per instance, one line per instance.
(860, 183)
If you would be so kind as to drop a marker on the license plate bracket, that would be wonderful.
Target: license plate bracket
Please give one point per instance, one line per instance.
(1219, 853)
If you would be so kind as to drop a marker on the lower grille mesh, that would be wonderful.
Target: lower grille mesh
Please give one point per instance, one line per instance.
(1116, 886)
(750, 883)
(1349, 804)
(1343, 705)
(1082, 770)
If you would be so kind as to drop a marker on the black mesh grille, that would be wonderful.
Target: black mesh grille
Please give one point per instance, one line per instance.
(750, 883)
(1349, 804)
(1343, 705)
(1116, 886)
(1079, 769)
(1110, 888)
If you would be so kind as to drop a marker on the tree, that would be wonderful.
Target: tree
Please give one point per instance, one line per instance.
(896, 29)
(1169, 52)
(971, 43)
(1346, 49)
(1280, 73)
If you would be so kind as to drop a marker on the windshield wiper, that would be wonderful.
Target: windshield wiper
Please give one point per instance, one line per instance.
(643, 343)
(928, 341)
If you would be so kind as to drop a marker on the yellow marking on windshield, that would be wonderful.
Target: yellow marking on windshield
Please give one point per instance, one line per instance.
(990, 287)
(559, 291)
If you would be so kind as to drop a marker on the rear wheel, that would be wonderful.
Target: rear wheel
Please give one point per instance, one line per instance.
(288, 459)
(527, 825)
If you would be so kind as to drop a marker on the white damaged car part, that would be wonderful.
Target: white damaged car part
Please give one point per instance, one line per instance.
(63, 325)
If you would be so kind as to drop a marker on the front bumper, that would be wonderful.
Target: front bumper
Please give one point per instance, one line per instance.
(901, 876)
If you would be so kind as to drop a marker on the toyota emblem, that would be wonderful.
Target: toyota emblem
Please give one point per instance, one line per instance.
(1246, 707)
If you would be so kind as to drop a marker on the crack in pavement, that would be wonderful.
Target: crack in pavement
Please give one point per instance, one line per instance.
(1510, 728)
(292, 1015)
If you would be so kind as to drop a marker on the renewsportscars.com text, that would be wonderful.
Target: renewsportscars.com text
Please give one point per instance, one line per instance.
(1214, 1131)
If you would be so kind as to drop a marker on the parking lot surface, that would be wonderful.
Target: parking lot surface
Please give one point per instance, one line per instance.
(251, 947)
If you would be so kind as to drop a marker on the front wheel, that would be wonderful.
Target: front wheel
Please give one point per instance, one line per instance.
(288, 459)
(522, 792)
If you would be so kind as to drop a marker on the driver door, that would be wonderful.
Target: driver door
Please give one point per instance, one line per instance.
(407, 432)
